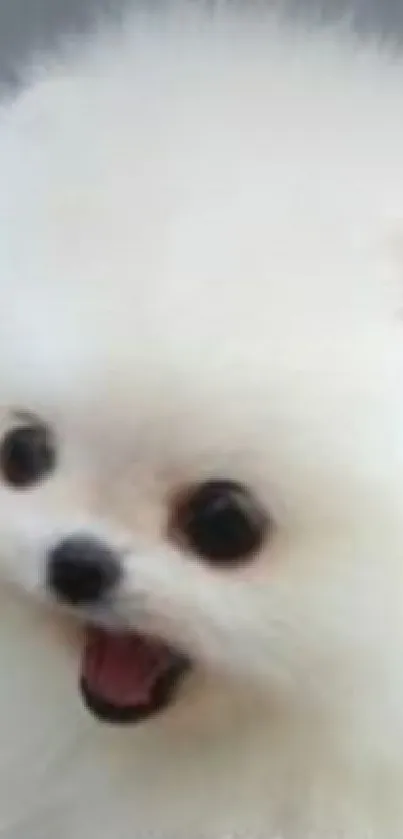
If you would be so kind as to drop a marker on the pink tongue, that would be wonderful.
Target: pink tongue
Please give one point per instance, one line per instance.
(123, 669)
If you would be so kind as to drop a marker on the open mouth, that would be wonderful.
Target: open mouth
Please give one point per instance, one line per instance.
(126, 677)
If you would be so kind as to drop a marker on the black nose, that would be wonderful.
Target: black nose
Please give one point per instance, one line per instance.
(82, 570)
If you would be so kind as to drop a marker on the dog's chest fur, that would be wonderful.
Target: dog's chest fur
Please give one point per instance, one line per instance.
(90, 792)
(253, 775)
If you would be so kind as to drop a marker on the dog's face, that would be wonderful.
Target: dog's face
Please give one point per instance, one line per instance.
(238, 512)
(200, 419)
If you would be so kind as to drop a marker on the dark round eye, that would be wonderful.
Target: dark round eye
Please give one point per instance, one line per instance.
(221, 521)
(27, 455)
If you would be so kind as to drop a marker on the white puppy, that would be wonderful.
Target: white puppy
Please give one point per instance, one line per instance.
(201, 452)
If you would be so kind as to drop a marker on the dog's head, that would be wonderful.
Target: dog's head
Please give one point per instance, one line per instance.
(200, 416)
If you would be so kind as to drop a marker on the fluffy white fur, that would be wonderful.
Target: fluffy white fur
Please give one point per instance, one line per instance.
(201, 258)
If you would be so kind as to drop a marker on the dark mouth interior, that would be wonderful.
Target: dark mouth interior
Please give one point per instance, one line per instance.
(127, 678)
(163, 693)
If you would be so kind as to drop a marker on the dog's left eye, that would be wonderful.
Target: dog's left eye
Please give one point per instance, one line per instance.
(221, 521)
(27, 455)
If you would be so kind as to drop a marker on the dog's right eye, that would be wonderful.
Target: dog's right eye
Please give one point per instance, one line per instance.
(27, 455)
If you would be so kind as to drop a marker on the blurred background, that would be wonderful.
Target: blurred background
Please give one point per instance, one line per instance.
(26, 25)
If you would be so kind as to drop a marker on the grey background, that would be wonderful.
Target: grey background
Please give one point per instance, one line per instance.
(28, 24)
